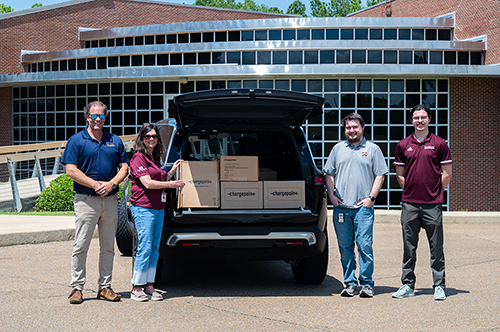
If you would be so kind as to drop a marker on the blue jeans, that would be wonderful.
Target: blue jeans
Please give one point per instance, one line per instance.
(149, 225)
(356, 228)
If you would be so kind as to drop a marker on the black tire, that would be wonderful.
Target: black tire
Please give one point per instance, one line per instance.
(124, 237)
(311, 270)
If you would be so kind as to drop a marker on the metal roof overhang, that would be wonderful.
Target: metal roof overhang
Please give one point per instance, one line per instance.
(248, 72)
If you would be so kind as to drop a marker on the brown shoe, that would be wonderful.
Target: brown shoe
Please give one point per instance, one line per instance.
(75, 297)
(108, 294)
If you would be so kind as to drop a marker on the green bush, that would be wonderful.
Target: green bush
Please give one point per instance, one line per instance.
(59, 195)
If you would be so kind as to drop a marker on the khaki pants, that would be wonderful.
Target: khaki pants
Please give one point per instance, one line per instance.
(89, 212)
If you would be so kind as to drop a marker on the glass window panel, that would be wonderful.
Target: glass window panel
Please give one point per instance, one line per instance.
(375, 34)
(303, 34)
(361, 34)
(380, 117)
(248, 58)
(55, 65)
(314, 86)
(397, 101)
(282, 84)
(412, 100)
(113, 61)
(266, 84)
(142, 88)
(380, 101)
(295, 57)
(250, 84)
(139, 40)
(380, 133)
(420, 57)
(442, 117)
(70, 90)
(314, 133)
(280, 57)
(172, 87)
(299, 85)
(311, 57)
(405, 57)
(189, 58)
(332, 117)
(444, 34)
(208, 37)
(380, 85)
(233, 84)
(463, 58)
(332, 133)
(176, 59)
(390, 34)
(442, 100)
(343, 56)
(288, 34)
(94, 43)
(149, 59)
(436, 57)
(233, 57)
(160, 39)
(374, 56)
(365, 85)
(327, 56)
(318, 34)
(331, 85)
(183, 38)
(332, 100)
(203, 58)
(412, 85)
(72, 64)
(346, 34)
(119, 41)
(195, 37)
(274, 34)
(417, 34)
(124, 61)
(171, 39)
(220, 36)
(129, 88)
(219, 57)
(430, 34)
(404, 34)
(475, 58)
(396, 133)
(397, 117)
(443, 132)
(162, 59)
(247, 35)
(260, 34)
(358, 56)
(364, 100)
(263, 57)
(429, 100)
(136, 60)
(347, 100)
(390, 57)
(116, 104)
(332, 34)
(428, 85)
(348, 85)
(129, 41)
(442, 85)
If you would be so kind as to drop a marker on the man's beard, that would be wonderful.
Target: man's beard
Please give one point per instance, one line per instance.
(355, 140)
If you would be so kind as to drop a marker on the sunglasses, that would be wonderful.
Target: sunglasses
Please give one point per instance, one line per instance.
(95, 116)
(155, 137)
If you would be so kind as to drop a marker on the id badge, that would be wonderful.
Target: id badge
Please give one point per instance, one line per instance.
(163, 197)
(341, 217)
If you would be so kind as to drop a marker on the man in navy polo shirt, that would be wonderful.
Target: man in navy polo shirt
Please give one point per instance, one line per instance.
(97, 162)
(423, 170)
(355, 172)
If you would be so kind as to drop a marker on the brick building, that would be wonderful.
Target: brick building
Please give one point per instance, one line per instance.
(135, 55)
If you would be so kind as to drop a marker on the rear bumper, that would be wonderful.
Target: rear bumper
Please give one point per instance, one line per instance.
(305, 237)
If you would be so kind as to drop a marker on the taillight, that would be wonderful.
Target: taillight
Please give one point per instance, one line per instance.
(319, 180)
(189, 244)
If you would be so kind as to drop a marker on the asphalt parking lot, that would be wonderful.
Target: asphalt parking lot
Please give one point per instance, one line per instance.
(259, 296)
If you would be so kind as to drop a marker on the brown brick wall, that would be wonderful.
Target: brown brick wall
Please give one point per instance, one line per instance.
(6, 116)
(474, 140)
(472, 18)
(57, 29)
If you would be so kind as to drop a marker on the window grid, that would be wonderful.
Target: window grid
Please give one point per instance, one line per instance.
(54, 112)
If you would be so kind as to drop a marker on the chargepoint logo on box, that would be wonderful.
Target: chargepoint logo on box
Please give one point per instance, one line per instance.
(240, 193)
(284, 193)
(200, 183)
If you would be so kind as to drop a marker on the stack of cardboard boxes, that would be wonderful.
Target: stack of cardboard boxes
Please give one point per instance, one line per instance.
(236, 182)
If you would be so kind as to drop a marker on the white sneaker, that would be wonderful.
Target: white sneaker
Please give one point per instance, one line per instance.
(439, 294)
(403, 291)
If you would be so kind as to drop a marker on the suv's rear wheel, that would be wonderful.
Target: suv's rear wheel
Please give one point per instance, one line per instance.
(311, 270)
(124, 237)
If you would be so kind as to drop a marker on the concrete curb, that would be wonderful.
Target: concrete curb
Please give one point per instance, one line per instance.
(16, 229)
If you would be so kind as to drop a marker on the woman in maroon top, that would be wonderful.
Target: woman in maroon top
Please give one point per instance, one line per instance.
(149, 182)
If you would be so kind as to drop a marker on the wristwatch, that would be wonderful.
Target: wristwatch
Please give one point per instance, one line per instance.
(113, 185)
(372, 198)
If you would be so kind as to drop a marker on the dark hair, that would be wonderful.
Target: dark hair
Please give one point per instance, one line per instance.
(86, 109)
(420, 107)
(139, 145)
(353, 116)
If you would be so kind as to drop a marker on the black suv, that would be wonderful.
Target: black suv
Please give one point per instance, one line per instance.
(249, 122)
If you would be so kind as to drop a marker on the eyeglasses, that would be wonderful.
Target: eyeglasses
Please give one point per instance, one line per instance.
(155, 137)
(95, 116)
(422, 118)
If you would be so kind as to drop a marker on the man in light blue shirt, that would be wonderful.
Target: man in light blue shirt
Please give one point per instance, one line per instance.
(355, 172)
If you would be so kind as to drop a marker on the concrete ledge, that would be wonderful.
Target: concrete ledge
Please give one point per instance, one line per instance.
(14, 239)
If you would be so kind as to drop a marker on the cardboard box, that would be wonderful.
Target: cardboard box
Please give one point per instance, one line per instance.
(241, 195)
(202, 185)
(284, 194)
(267, 174)
(239, 168)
